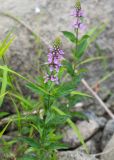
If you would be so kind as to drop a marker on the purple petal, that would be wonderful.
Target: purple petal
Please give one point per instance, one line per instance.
(61, 52)
(51, 68)
(77, 13)
(82, 13)
(75, 25)
(82, 26)
(52, 78)
(73, 12)
(56, 61)
(57, 68)
(50, 49)
(50, 60)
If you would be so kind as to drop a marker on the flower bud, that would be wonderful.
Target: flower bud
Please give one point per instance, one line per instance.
(57, 42)
(78, 5)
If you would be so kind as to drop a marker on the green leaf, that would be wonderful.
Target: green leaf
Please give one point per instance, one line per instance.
(61, 72)
(2, 95)
(82, 46)
(3, 87)
(27, 157)
(80, 94)
(66, 88)
(2, 114)
(31, 85)
(69, 67)
(57, 146)
(37, 89)
(6, 44)
(70, 36)
(18, 113)
(79, 115)
(30, 141)
(91, 59)
(54, 119)
(21, 99)
(95, 32)
(4, 129)
(37, 123)
(15, 73)
(54, 137)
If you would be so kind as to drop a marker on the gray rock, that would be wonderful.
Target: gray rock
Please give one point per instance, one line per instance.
(54, 17)
(109, 150)
(87, 129)
(97, 139)
(99, 110)
(100, 120)
(23, 53)
(75, 155)
(91, 146)
(107, 133)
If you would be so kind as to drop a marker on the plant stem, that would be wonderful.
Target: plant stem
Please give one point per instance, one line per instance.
(76, 31)
(76, 45)
(49, 100)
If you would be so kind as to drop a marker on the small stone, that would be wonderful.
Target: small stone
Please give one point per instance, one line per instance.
(87, 129)
(100, 120)
(91, 145)
(97, 138)
(75, 155)
(108, 132)
(109, 150)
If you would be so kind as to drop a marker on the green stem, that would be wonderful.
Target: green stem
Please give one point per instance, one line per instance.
(76, 45)
(76, 31)
(10, 79)
(49, 100)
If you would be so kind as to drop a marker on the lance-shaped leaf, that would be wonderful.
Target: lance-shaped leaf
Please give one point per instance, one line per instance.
(70, 36)
(30, 141)
(80, 94)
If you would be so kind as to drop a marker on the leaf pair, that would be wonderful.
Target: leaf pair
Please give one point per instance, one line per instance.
(84, 43)
(81, 44)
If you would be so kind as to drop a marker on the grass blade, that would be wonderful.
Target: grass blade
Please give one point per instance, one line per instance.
(4, 129)
(4, 86)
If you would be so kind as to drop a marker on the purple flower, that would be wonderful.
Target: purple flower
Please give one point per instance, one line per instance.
(77, 13)
(51, 68)
(51, 78)
(78, 25)
(54, 79)
(55, 57)
(61, 52)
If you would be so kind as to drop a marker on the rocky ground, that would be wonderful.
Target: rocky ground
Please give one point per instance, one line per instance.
(23, 56)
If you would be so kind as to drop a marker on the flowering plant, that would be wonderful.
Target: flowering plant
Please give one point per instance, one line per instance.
(56, 94)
